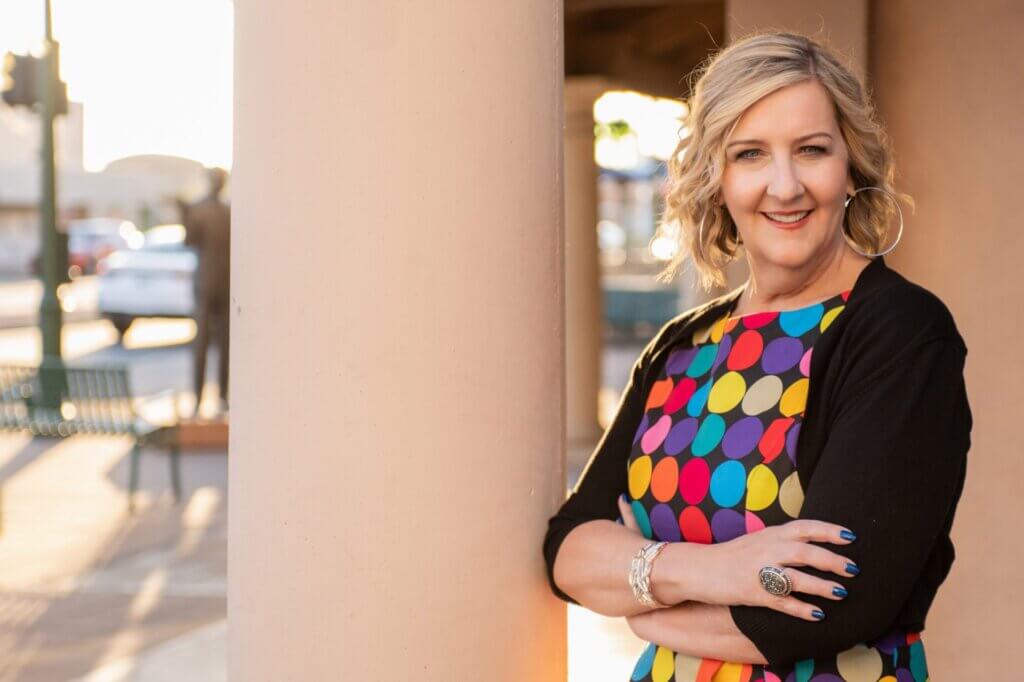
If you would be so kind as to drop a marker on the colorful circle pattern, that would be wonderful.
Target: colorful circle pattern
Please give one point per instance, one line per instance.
(715, 457)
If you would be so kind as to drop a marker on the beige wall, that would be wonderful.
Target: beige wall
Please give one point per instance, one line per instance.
(843, 23)
(397, 330)
(950, 87)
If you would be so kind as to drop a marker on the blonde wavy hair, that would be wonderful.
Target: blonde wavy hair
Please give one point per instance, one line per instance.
(729, 82)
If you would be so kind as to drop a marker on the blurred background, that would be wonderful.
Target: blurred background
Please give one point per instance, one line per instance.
(116, 173)
(101, 289)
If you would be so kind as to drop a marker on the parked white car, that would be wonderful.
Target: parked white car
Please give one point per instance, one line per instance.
(90, 240)
(154, 280)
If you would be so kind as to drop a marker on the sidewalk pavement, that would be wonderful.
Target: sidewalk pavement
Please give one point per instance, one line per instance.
(20, 297)
(90, 593)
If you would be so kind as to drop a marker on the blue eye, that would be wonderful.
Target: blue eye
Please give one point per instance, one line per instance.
(748, 153)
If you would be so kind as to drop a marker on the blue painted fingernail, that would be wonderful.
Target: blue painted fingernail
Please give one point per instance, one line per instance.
(839, 591)
(847, 535)
(852, 568)
(622, 497)
(817, 613)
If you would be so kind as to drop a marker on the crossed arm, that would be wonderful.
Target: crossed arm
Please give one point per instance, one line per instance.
(696, 629)
(691, 627)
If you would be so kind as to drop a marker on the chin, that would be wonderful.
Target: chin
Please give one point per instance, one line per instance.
(794, 254)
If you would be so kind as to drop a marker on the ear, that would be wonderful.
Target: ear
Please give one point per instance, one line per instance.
(849, 186)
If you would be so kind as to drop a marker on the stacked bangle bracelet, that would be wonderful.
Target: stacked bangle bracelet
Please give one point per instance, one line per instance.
(640, 574)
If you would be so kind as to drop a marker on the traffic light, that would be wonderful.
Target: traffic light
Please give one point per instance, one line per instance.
(20, 79)
(21, 83)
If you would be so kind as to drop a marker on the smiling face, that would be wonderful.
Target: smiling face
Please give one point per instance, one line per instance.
(786, 156)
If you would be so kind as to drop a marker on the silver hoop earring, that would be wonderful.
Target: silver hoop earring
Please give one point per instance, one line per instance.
(898, 234)
(700, 238)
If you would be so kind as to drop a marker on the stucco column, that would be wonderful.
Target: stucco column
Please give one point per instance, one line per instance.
(398, 328)
(583, 299)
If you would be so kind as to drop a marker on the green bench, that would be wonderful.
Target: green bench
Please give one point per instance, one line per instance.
(94, 400)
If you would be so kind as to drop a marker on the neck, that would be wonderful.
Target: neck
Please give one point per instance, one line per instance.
(772, 287)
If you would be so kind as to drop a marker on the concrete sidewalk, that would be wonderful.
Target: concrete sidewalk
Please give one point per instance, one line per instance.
(88, 592)
(20, 297)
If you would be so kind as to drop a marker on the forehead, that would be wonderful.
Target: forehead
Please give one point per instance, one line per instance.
(788, 113)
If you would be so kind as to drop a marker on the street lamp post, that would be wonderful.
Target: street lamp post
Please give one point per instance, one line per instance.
(50, 317)
(34, 82)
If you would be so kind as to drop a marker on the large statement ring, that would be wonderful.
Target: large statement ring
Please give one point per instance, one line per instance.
(775, 581)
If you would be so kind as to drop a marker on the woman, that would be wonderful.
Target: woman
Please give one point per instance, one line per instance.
(774, 497)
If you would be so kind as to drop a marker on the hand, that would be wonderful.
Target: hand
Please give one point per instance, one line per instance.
(628, 517)
(732, 567)
(726, 573)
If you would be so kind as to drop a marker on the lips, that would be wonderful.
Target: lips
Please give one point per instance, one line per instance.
(787, 223)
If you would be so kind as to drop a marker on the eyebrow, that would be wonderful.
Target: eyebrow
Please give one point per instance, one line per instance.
(799, 139)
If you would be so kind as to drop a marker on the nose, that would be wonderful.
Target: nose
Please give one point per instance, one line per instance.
(784, 185)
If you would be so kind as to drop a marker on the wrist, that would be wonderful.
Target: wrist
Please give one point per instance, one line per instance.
(674, 574)
(640, 573)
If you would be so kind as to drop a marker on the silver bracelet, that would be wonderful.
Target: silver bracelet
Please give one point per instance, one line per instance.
(640, 574)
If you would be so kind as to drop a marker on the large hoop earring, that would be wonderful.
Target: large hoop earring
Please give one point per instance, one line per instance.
(898, 234)
(700, 238)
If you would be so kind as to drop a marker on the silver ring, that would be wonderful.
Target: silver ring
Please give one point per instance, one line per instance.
(775, 581)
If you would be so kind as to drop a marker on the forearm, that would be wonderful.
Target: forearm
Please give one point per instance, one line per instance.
(593, 565)
(699, 630)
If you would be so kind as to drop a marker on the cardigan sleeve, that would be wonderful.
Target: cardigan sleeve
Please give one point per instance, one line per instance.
(604, 477)
(892, 470)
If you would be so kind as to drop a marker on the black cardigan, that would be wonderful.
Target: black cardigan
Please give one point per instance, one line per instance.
(882, 450)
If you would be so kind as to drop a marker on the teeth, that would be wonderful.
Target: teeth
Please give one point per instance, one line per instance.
(791, 218)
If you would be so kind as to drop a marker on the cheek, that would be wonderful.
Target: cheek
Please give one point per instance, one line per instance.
(828, 182)
(742, 192)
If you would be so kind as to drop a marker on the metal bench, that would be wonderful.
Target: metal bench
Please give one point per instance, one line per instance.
(94, 400)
